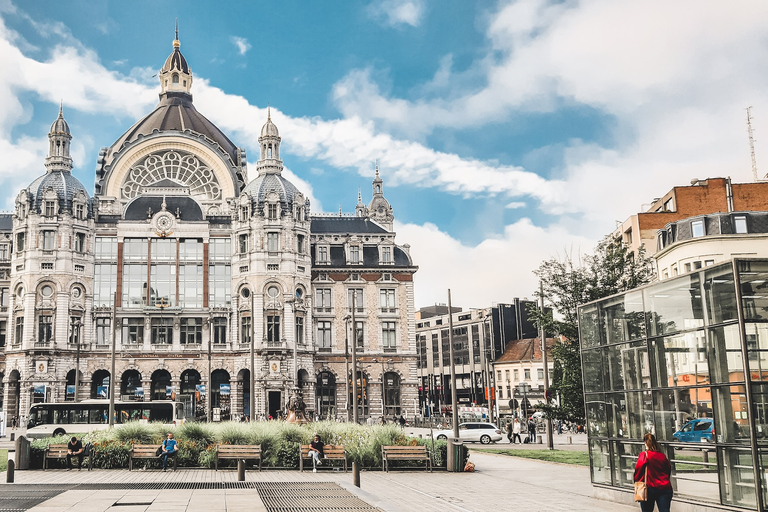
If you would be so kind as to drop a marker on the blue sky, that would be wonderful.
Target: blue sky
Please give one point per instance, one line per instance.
(507, 132)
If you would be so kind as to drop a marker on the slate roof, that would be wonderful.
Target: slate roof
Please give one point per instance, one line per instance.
(6, 222)
(175, 112)
(269, 182)
(189, 210)
(344, 225)
(528, 349)
(65, 185)
(338, 258)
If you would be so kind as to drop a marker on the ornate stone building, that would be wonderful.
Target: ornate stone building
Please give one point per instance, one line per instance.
(184, 263)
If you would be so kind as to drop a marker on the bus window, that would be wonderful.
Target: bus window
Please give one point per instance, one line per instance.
(97, 415)
(162, 412)
(60, 416)
(79, 415)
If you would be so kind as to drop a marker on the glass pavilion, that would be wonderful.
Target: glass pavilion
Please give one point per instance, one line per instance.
(658, 358)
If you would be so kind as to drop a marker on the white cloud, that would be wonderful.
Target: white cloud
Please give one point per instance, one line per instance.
(397, 12)
(496, 270)
(241, 43)
(515, 204)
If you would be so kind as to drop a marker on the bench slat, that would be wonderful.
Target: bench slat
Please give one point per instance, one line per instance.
(238, 451)
(399, 453)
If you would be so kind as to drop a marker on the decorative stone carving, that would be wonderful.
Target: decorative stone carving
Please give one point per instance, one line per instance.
(177, 166)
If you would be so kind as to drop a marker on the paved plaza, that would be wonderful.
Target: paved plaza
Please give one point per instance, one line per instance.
(500, 483)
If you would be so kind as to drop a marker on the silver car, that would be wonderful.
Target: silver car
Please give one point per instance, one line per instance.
(473, 432)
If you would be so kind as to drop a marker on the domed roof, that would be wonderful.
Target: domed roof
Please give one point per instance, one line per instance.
(175, 112)
(175, 60)
(269, 129)
(63, 183)
(60, 125)
(260, 187)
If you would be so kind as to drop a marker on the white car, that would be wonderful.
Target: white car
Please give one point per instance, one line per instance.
(473, 432)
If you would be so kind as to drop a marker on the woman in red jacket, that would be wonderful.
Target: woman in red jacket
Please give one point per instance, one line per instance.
(659, 469)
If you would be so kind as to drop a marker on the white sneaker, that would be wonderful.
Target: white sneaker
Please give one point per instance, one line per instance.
(314, 470)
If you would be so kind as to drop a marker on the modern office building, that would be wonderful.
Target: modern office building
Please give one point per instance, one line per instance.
(188, 263)
(686, 359)
(480, 336)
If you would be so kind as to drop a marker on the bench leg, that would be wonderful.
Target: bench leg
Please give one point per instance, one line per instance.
(301, 464)
(130, 463)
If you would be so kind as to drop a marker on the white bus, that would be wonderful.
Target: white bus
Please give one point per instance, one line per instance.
(48, 419)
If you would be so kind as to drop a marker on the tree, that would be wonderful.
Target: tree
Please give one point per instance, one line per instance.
(568, 284)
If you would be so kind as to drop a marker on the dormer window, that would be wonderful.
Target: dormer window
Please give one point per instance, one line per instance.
(322, 254)
(272, 212)
(697, 228)
(244, 213)
(50, 209)
(80, 211)
(386, 255)
(175, 79)
(354, 254)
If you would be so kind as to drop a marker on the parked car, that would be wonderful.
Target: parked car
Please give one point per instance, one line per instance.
(701, 430)
(473, 432)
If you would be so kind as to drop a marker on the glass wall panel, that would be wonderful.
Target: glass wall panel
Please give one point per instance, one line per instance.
(726, 363)
(628, 366)
(760, 411)
(756, 336)
(737, 477)
(597, 415)
(674, 305)
(680, 360)
(677, 409)
(720, 295)
(589, 326)
(731, 414)
(593, 361)
(624, 460)
(694, 473)
(622, 318)
(753, 276)
(630, 415)
(763, 459)
(599, 454)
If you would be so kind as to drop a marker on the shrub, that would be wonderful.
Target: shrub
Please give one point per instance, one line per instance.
(135, 432)
(201, 433)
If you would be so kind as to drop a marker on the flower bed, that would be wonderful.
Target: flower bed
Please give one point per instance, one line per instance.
(279, 442)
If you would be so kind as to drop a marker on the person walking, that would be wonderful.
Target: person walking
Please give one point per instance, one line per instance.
(75, 449)
(170, 448)
(316, 452)
(509, 431)
(654, 467)
(516, 432)
(531, 430)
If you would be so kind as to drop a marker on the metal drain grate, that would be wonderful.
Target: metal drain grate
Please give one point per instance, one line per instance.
(25, 499)
(309, 496)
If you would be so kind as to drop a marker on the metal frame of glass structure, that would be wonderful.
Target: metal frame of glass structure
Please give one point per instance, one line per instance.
(658, 358)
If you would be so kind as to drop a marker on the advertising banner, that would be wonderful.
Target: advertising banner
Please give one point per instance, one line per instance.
(225, 389)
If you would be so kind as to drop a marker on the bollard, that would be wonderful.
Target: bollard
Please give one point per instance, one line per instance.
(356, 474)
(13, 436)
(570, 440)
(9, 472)
(241, 470)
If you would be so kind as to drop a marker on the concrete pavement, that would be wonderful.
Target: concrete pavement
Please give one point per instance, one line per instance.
(499, 483)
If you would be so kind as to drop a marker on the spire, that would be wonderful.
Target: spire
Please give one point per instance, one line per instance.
(269, 142)
(379, 209)
(176, 42)
(59, 138)
(269, 113)
(378, 184)
(360, 209)
(359, 196)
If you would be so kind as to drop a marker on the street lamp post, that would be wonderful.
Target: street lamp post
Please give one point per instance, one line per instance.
(76, 339)
(208, 411)
(355, 413)
(383, 406)
(346, 361)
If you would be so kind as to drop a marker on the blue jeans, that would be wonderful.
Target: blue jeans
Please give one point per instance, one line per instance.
(315, 458)
(657, 497)
(165, 455)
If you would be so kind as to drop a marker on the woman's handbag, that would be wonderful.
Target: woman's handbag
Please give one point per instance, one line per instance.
(641, 490)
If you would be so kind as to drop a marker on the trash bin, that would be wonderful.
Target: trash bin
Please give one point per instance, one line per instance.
(454, 460)
(22, 453)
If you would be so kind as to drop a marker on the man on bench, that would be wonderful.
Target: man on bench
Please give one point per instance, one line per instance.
(316, 452)
(75, 449)
(169, 449)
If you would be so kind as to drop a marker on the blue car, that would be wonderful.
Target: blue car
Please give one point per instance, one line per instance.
(696, 431)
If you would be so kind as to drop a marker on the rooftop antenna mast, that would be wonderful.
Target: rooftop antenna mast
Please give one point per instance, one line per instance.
(752, 144)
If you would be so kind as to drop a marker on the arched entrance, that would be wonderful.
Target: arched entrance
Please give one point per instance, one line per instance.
(302, 379)
(100, 384)
(161, 381)
(362, 394)
(130, 387)
(392, 394)
(194, 402)
(70, 387)
(325, 395)
(14, 396)
(220, 394)
(244, 387)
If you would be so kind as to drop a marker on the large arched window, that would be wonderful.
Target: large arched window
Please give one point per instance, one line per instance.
(392, 394)
(220, 393)
(189, 381)
(70, 389)
(161, 381)
(325, 395)
(130, 387)
(100, 384)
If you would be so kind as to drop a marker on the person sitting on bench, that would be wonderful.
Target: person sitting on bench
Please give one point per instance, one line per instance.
(316, 452)
(75, 449)
(170, 447)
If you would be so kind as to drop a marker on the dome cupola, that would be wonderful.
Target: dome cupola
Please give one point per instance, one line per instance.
(269, 142)
(175, 75)
(58, 158)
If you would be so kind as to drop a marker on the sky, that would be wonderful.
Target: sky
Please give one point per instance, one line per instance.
(507, 133)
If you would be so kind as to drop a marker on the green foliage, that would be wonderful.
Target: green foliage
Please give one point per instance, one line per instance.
(195, 431)
(561, 456)
(232, 433)
(3, 460)
(567, 284)
(135, 432)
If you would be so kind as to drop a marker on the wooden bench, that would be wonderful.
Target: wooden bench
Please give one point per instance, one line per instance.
(330, 452)
(398, 453)
(59, 451)
(147, 451)
(238, 452)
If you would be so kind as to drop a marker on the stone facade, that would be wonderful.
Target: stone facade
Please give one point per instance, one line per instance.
(192, 271)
